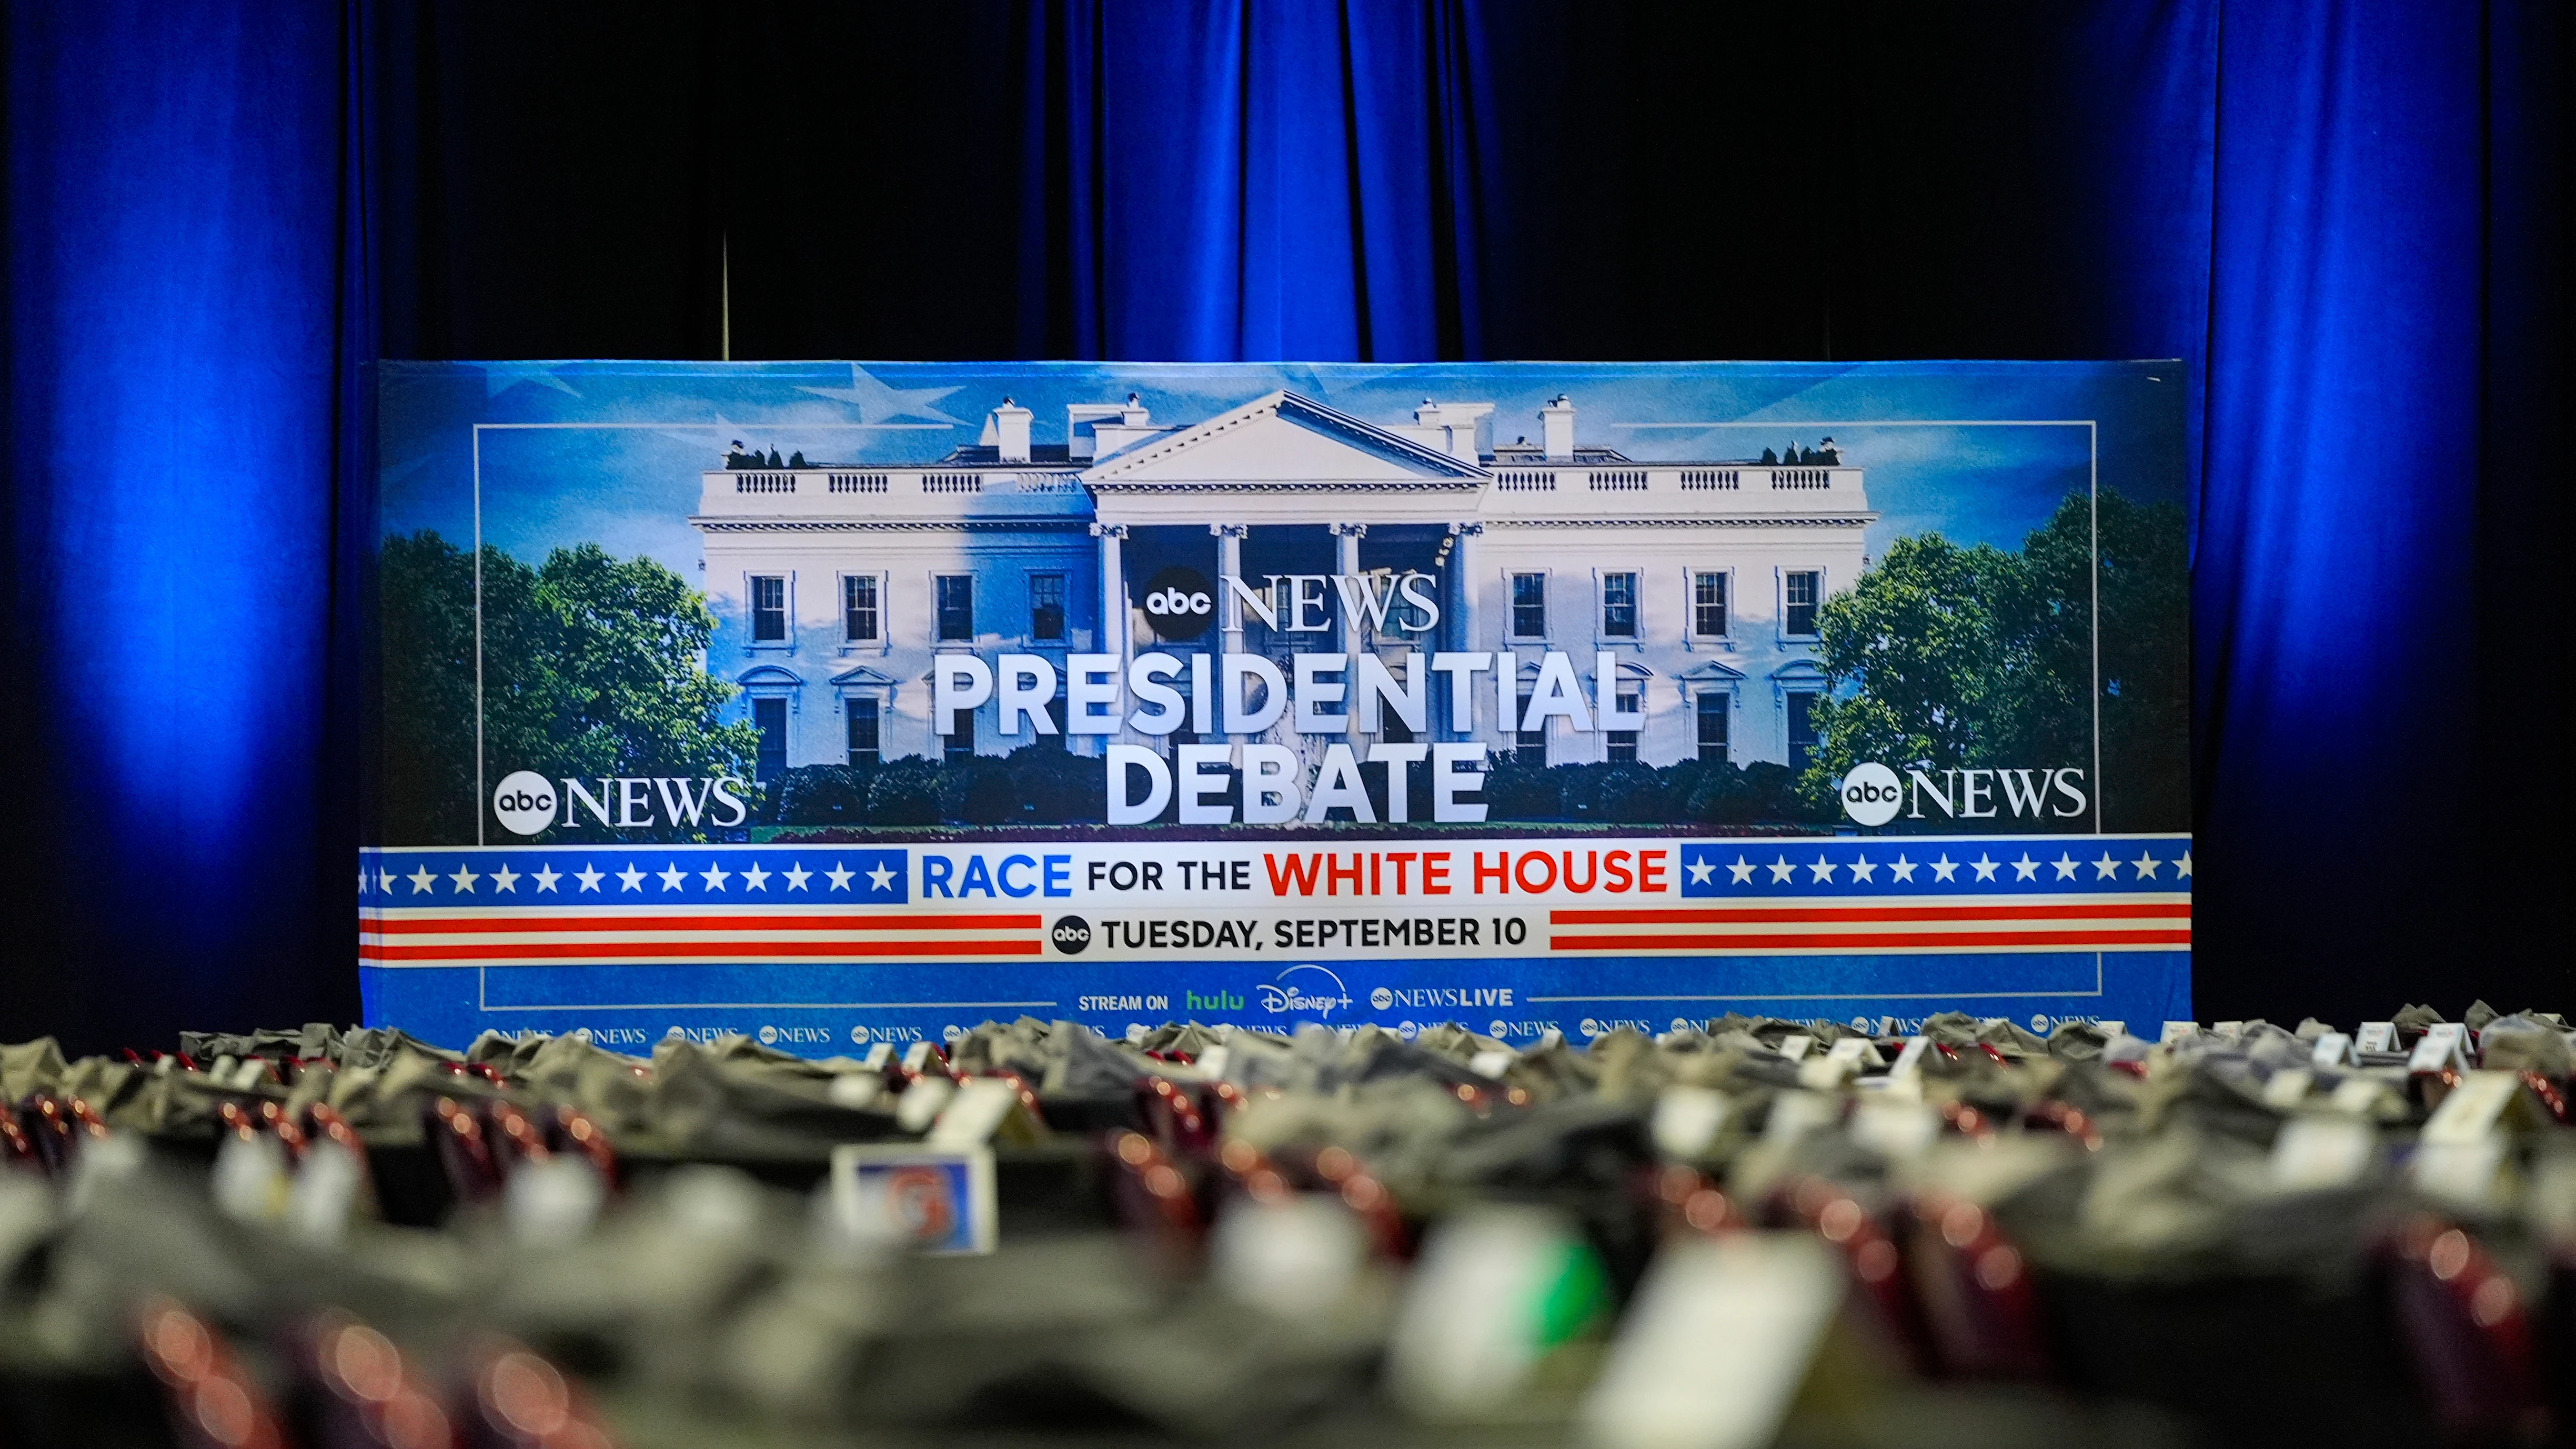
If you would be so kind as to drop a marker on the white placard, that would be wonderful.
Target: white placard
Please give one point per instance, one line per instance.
(2178, 1031)
(2111, 1030)
(2321, 1152)
(1491, 1064)
(1717, 1342)
(2437, 1048)
(2357, 1095)
(2288, 1087)
(2228, 1031)
(1795, 1048)
(2376, 1036)
(2470, 1111)
(1909, 1058)
(1895, 1128)
(1687, 1120)
(2332, 1050)
(970, 1118)
(878, 1056)
(1857, 1050)
(916, 1057)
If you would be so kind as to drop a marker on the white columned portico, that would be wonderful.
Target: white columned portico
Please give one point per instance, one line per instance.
(1229, 609)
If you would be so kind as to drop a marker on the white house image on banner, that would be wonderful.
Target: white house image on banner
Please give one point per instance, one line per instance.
(836, 587)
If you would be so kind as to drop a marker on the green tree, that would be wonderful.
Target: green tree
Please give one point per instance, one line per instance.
(591, 667)
(1967, 657)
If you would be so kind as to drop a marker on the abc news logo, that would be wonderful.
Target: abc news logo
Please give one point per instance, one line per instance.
(1180, 603)
(527, 803)
(1872, 794)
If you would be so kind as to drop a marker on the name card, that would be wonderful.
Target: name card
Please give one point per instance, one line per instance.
(1716, 1344)
(929, 1200)
(2317, 1152)
(2332, 1050)
(2376, 1036)
(1687, 1120)
(1795, 1048)
(973, 1115)
(1857, 1050)
(1909, 1058)
(2111, 1030)
(916, 1057)
(2288, 1087)
(2469, 1113)
(1137, 1031)
(2228, 1031)
(2178, 1031)
(2437, 1048)
(1491, 1064)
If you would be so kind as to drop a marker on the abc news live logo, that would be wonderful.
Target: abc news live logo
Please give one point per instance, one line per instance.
(1872, 795)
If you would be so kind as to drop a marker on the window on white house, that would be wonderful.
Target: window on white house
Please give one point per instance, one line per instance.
(1619, 606)
(769, 609)
(956, 606)
(1046, 606)
(1804, 743)
(866, 746)
(769, 716)
(1801, 591)
(1708, 604)
(860, 621)
(1529, 745)
(1529, 606)
(1714, 718)
(1623, 743)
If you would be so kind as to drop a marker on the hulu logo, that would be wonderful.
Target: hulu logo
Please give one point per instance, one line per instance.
(1212, 1001)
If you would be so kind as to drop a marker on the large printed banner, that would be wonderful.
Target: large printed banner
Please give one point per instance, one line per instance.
(838, 703)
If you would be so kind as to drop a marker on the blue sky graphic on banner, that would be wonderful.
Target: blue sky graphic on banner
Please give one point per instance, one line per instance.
(828, 701)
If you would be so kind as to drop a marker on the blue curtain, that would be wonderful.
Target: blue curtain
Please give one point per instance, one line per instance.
(2348, 218)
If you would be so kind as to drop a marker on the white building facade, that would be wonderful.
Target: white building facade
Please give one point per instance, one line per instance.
(836, 588)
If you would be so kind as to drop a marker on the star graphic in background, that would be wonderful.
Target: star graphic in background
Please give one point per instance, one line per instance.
(465, 879)
(1823, 869)
(2148, 865)
(1864, 869)
(878, 403)
(2106, 868)
(882, 877)
(2182, 867)
(633, 878)
(755, 879)
(839, 875)
(1944, 868)
(588, 875)
(1781, 870)
(1985, 865)
(506, 879)
(1742, 870)
(385, 878)
(715, 875)
(2065, 866)
(2025, 868)
(1903, 870)
(1701, 872)
(797, 875)
(421, 880)
(547, 875)
(671, 875)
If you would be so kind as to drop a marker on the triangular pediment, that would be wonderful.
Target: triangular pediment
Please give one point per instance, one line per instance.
(1282, 441)
(862, 677)
(1712, 672)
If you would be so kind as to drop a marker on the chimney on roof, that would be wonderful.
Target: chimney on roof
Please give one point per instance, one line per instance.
(1556, 425)
(1011, 432)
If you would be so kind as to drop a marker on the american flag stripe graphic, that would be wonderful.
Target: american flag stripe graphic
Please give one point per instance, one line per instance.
(502, 939)
(1772, 928)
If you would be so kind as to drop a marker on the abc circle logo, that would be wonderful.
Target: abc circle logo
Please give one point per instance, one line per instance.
(1381, 998)
(1872, 794)
(525, 802)
(768, 1035)
(1180, 603)
(1071, 934)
